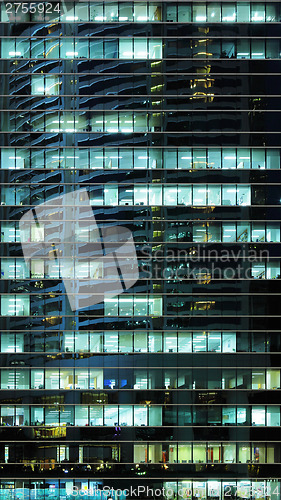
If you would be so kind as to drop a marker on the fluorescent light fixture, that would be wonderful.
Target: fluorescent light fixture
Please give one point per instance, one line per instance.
(229, 18)
(256, 17)
(72, 18)
(71, 54)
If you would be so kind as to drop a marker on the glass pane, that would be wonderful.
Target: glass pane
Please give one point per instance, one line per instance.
(214, 12)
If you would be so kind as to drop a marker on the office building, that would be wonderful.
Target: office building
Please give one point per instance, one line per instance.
(168, 114)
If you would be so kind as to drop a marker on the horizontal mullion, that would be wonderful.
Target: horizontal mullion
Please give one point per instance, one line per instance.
(133, 110)
(152, 72)
(121, 96)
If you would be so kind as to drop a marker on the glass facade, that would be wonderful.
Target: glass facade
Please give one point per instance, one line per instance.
(168, 114)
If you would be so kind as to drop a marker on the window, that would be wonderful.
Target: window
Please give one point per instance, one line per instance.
(52, 379)
(37, 379)
(243, 49)
(214, 195)
(272, 50)
(37, 415)
(243, 195)
(228, 12)
(214, 453)
(138, 49)
(184, 13)
(199, 195)
(95, 342)
(257, 12)
(142, 305)
(13, 305)
(258, 379)
(258, 415)
(138, 158)
(111, 11)
(111, 415)
(125, 342)
(243, 231)
(243, 12)
(272, 159)
(125, 416)
(229, 416)
(126, 11)
(12, 342)
(140, 341)
(155, 195)
(214, 342)
(199, 13)
(140, 453)
(243, 158)
(199, 342)
(155, 415)
(271, 11)
(244, 453)
(199, 453)
(229, 195)
(170, 341)
(273, 416)
(7, 415)
(14, 269)
(259, 454)
(258, 158)
(258, 49)
(96, 415)
(45, 85)
(52, 417)
(214, 12)
(272, 379)
(140, 416)
(229, 229)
